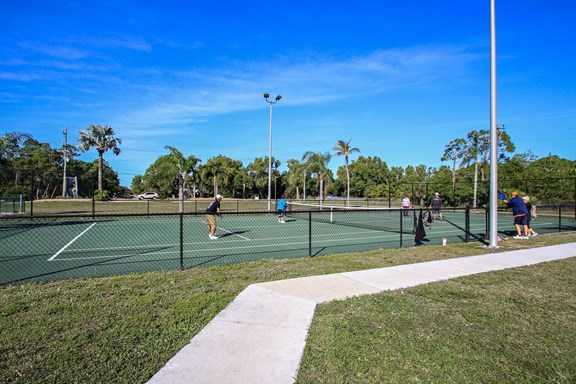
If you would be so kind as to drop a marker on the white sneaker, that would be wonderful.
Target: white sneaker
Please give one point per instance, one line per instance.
(213, 237)
(517, 237)
(525, 237)
(534, 234)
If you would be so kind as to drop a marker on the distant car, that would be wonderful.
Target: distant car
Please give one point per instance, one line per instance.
(148, 195)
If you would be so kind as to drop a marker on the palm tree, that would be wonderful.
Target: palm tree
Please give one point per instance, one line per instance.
(10, 143)
(102, 138)
(343, 149)
(183, 167)
(316, 162)
(454, 151)
(471, 156)
(219, 166)
(191, 168)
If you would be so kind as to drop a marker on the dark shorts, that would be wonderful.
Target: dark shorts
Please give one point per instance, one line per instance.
(521, 220)
(436, 210)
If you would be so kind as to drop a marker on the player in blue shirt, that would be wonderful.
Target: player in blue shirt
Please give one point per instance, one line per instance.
(281, 207)
(520, 213)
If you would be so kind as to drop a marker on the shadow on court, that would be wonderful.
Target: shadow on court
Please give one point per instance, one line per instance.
(78, 268)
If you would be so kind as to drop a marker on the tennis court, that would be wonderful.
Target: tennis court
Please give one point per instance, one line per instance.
(52, 248)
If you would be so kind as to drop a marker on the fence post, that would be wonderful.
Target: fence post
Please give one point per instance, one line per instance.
(32, 196)
(181, 241)
(467, 225)
(310, 233)
(560, 218)
(401, 227)
(487, 221)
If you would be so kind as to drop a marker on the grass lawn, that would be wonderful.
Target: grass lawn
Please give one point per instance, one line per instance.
(512, 326)
(507, 326)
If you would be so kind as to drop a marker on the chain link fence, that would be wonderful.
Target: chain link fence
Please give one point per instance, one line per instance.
(53, 247)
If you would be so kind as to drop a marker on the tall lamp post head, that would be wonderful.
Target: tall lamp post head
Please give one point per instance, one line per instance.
(267, 96)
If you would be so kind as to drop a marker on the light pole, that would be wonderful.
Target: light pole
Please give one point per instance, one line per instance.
(65, 154)
(493, 133)
(271, 103)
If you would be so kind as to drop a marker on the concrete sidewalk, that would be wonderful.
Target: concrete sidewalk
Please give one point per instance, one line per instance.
(260, 336)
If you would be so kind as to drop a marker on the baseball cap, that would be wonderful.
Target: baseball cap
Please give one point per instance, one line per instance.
(219, 196)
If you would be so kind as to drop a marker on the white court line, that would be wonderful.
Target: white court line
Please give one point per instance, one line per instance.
(73, 240)
(326, 239)
(225, 230)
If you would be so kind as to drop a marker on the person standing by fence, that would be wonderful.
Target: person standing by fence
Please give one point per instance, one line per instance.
(406, 205)
(436, 206)
(531, 214)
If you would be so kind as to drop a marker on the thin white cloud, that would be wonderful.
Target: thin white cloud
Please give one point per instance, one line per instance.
(126, 42)
(61, 51)
(207, 93)
(27, 76)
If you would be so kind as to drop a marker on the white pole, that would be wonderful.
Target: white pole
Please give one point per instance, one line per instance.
(266, 96)
(65, 154)
(270, 160)
(493, 133)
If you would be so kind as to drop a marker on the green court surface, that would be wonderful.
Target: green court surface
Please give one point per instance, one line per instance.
(47, 249)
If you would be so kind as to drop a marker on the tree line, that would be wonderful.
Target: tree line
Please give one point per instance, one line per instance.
(35, 169)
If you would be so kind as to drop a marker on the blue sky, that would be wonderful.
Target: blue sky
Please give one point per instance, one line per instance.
(399, 79)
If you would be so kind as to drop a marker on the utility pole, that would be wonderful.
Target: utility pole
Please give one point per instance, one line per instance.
(65, 155)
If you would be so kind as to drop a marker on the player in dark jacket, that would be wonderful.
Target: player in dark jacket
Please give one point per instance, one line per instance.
(520, 213)
(212, 211)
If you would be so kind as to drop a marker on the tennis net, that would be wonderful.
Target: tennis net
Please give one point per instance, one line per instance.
(379, 219)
